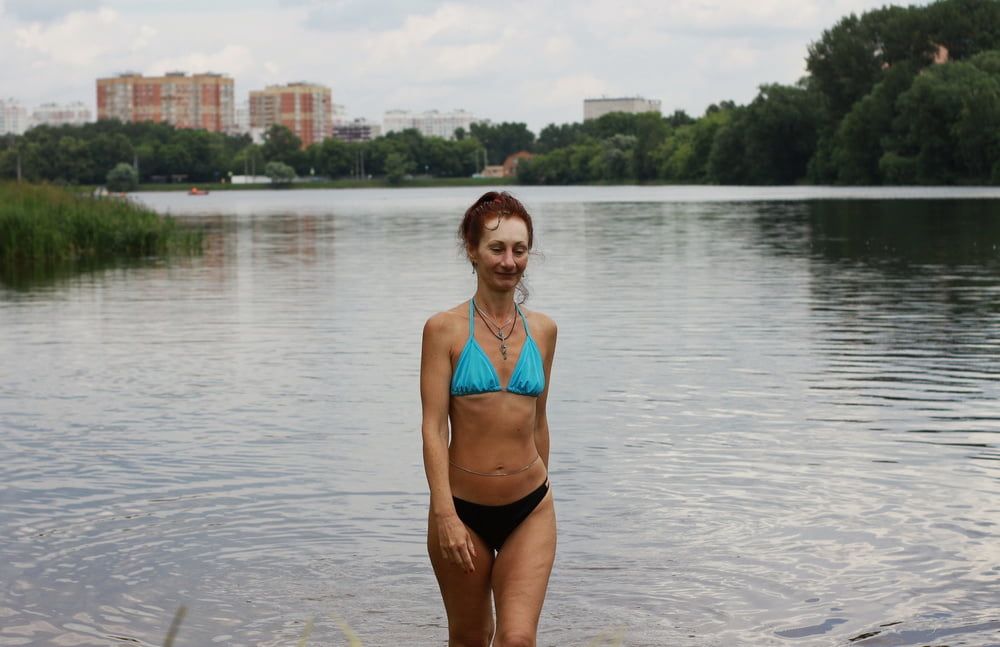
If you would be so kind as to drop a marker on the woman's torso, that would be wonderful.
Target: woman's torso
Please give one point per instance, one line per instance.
(494, 432)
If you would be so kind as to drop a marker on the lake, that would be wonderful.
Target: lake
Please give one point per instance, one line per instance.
(775, 420)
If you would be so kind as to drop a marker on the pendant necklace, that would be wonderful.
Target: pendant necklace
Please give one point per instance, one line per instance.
(497, 330)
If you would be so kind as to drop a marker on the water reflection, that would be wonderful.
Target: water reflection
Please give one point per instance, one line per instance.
(772, 422)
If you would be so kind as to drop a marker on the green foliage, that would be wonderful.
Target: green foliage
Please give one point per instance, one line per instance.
(780, 133)
(948, 123)
(501, 140)
(282, 145)
(727, 159)
(852, 57)
(684, 157)
(397, 167)
(279, 172)
(965, 27)
(123, 177)
(43, 224)
(858, 143)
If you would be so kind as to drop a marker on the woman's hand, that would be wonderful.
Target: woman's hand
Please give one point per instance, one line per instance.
(456, 542)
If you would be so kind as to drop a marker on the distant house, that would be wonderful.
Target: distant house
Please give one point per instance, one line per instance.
(940, 55)
(510, 164)
(492, 171)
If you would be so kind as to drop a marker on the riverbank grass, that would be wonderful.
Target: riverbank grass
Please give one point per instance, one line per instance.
(42, 224)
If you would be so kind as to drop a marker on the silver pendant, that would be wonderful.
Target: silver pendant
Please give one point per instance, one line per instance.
(503, 349)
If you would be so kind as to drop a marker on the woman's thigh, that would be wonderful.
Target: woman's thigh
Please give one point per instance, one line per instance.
(466, 596)
(521, 571)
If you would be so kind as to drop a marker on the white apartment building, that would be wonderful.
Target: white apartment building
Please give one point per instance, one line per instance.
(61, 114)
(594, 108)
(430, 123)
(13, 117)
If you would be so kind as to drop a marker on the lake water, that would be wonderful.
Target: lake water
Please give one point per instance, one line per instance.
(775, 419)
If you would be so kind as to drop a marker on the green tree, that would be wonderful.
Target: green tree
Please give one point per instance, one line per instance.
(727, 156)
(964, 27)
(616, 161)
(282, 145)
(333, 158)
(948, 125)
(559, 136)
(503, 139)
(279, 172)
(397, 166)
(781, 129)
(858, 142)
(122, 178)
(684, 155)
(850, 58)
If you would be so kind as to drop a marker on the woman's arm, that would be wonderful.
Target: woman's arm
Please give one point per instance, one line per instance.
(435, 390)
(548, 333)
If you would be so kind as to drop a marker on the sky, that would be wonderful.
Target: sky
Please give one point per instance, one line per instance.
(524, 61)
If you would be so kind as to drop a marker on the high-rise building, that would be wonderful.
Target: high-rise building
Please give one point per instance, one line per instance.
(61, 114)
(13, 117)
(202, 101)
(430, 123)
(304, 108)
(594, 108)
(356, 130)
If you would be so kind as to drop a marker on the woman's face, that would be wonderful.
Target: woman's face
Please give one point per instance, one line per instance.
(502, 255)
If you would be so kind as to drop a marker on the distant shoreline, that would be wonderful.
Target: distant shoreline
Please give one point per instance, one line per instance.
(378, 183)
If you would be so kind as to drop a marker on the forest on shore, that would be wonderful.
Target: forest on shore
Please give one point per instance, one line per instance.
(897, 95)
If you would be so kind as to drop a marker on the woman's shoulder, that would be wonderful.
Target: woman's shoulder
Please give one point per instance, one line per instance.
(447, 321)
(540, 322)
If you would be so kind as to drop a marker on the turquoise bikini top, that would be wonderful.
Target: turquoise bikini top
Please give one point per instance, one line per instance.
(474, 373)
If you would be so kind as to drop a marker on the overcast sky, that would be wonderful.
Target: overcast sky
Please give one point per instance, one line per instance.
(532, 61)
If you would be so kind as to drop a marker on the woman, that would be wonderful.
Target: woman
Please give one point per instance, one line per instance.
(485, 369)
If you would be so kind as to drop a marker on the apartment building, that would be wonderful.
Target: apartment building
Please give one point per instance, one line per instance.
(430, 123)
(356, 130)
(13, 117)
(304, 108)
(204, 101)
(61, 114)
(594, 108)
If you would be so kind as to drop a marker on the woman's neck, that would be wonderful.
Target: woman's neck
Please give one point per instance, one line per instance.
(499, 305)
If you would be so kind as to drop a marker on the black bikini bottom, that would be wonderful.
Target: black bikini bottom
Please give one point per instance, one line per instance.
(494, 523)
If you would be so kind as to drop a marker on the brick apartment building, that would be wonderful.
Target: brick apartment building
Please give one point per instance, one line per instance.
(203, 101)
(304, 108)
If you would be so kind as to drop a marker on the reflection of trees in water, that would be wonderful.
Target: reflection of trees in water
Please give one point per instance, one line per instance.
(903, 299)
(25, 278)
(937, 258)
(905, 235)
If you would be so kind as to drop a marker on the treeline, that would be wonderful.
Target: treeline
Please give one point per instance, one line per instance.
(895, 96)
(161, 153)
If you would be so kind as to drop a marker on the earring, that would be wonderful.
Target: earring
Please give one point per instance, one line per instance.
(473, 268)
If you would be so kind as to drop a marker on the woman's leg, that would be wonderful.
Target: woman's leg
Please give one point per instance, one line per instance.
(466, 595)
(521, 575)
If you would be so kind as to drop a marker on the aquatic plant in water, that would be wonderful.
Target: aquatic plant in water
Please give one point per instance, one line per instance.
(45, 224)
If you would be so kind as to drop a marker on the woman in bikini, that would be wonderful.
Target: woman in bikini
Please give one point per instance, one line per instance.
(484, 377)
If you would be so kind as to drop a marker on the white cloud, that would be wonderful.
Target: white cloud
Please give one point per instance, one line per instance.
(231, 60)
(79, 39)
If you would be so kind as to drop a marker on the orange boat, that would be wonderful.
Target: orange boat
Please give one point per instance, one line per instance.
(196, 191)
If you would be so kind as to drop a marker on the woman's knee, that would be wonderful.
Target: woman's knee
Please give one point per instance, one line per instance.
(514, 638)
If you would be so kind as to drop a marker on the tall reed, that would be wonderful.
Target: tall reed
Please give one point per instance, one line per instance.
(44, 223)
